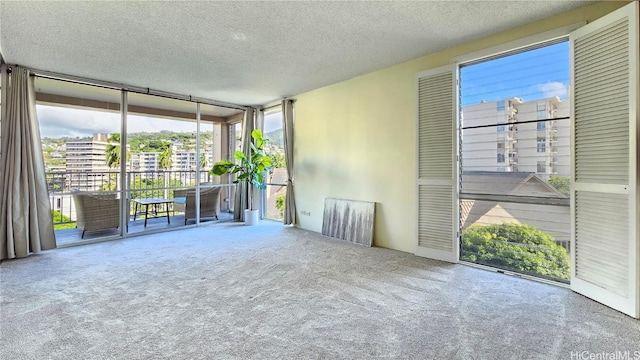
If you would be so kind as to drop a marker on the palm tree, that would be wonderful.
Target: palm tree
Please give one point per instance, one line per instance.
(164, 159)
(203, 161)
(113, 150)
(164, 163)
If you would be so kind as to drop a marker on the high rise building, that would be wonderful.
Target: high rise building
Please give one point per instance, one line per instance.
(513, 135)
(86, 164)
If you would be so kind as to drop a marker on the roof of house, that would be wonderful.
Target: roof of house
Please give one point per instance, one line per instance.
(507, 183)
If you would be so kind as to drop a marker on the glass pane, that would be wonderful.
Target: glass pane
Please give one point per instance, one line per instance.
(515, 144)
(214, 192)
(162, 162)
(80, 131)
(276, 191)
(523, 238)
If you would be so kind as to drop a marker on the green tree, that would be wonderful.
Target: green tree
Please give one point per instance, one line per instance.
(560, 183)
(152, 187)
(164, 159)
(518, 247)
(203, 161)
(113, 151)
(277, 161)
(280, 201)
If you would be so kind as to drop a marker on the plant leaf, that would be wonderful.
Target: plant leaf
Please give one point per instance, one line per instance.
(239, 155)
(221, 167)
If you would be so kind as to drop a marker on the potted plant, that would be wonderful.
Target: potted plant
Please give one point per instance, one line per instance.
(248, 169)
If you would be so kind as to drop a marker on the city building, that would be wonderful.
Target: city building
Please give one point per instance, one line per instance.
(145, 162)
(86, 164)
(512, 135)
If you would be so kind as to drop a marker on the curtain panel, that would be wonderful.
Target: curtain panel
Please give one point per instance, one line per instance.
(27, 224)
(287, 127)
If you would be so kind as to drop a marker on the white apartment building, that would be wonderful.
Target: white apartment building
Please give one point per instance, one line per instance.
(86, 164)
(145, 162)
(511, 135)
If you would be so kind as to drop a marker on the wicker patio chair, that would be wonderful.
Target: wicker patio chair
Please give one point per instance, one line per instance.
(96, 212)
(185, 201)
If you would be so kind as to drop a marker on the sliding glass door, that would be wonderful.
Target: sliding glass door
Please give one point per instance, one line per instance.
(275, 194)
(162, 162)
(80, 126)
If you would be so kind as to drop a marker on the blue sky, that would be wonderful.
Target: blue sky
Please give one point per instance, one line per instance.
(529, 75)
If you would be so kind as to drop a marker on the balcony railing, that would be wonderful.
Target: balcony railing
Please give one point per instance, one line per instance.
(139, 184)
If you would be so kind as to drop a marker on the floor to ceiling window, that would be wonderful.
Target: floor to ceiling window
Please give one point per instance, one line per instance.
(158, 180)
(234, 143)
(215, 203)
(162, 161)
(80, 128)
(515, 161)
(275, 194)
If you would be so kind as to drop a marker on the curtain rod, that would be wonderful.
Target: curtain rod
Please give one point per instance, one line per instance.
(134, 89)
(276, 104)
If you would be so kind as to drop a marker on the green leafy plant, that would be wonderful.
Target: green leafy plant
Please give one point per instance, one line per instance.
(280, 201)
(561, 183)
(248, 169)
(518, 247)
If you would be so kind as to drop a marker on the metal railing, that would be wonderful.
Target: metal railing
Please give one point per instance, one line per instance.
(140, 184)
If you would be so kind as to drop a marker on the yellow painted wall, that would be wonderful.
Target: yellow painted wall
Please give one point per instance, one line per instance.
(356, 139)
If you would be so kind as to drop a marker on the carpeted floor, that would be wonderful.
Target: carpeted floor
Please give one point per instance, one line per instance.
(227, 291)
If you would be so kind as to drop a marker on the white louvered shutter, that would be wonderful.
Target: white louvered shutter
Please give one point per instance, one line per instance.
(436, 137)
(604, 247)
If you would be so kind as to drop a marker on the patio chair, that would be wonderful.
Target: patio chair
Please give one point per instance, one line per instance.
(96, 212)
(185, 201)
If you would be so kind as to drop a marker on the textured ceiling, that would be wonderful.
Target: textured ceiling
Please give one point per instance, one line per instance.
(246, 53)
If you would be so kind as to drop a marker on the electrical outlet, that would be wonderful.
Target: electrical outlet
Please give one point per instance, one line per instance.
(306, 213)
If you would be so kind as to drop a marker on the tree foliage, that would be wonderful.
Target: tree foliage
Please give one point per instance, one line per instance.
(280, 201)
(203, 161)
(153, 187)
(277, 161)
(113, 151)
(560, 183)
(518, 247)
(164, 159)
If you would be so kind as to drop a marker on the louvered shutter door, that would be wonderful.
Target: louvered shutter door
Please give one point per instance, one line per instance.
(604, 249)
(436, 166)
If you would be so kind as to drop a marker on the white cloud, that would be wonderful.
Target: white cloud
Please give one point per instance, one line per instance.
(56, 122)
(553, 88)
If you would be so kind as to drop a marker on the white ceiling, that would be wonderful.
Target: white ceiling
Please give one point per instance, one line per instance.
(247, 53)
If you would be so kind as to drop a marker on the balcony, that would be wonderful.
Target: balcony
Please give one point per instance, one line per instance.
(139, 185)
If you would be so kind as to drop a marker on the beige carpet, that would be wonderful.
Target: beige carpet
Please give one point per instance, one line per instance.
(271, 292)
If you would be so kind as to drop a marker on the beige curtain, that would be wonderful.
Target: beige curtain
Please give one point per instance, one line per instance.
(287, 129)
(27, 225)
(241, 198)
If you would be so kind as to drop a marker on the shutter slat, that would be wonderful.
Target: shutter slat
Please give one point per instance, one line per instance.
(435, 126)
(602, 240)
(435, 217)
